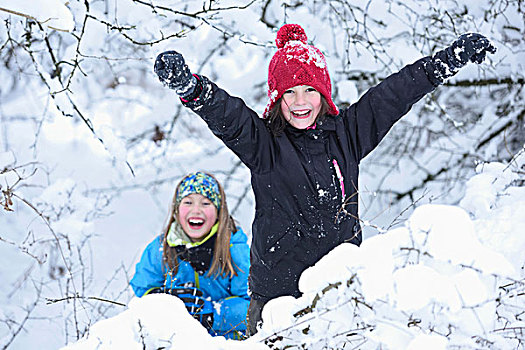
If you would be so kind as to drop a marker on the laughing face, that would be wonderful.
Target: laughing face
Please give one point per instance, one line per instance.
(197, 215)
(300, 106)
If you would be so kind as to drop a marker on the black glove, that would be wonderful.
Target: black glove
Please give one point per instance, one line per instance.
(200, 308)
(470, 47)
(175, 74)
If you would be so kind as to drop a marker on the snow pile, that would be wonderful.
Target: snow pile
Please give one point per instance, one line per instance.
(432, 284)
(157, 321)
(498, 209)
(436, 283)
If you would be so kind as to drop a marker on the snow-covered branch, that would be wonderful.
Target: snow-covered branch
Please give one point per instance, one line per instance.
(92, 145)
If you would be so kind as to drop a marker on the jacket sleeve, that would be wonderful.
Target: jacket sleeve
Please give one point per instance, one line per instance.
(371, 117)
(238, 126)
(231, 312)
(148, 271)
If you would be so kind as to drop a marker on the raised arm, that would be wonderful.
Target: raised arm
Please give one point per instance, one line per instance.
(228, 117)
(372, 116)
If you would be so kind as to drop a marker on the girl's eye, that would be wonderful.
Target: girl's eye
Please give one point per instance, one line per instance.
(185, 202)
(311, 89)
(206, 203)
(289, 92)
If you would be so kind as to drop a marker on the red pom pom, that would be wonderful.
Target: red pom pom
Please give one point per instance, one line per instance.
(290, 32)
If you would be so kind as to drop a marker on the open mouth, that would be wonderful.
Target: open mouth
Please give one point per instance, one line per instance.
(301, 114)
(195, 224)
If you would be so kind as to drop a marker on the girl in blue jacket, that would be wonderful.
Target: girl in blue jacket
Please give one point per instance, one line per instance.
(201, 257)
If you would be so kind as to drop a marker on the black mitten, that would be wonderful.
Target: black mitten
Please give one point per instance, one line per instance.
(174, 73)
(470, 47)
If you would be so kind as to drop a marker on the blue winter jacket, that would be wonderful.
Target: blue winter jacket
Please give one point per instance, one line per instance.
(230, 295)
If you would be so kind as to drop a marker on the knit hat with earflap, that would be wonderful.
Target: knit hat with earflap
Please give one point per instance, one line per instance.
(200, 183)
(297, 63)
(203, 184)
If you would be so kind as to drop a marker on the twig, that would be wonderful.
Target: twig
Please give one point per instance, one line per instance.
(53, 301)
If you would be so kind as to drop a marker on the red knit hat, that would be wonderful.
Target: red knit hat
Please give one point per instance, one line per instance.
(297, 63)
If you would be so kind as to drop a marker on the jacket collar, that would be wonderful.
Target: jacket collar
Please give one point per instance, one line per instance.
(326, 123)
(176, 236)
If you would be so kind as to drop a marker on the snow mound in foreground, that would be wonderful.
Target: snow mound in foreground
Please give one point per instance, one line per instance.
(157, 321)
(451, 277)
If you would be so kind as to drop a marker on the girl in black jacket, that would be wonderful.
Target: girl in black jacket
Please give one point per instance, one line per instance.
(304, 153)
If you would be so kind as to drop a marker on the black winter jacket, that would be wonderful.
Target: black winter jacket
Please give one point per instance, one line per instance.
(300, 214)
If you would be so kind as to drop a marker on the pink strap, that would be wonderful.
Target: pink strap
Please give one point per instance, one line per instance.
(340, 177)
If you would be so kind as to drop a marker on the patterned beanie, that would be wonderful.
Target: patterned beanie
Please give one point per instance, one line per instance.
(297, 63)
(200, 183)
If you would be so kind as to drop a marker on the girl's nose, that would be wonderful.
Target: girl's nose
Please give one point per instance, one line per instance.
(194, 208)
(299, 97)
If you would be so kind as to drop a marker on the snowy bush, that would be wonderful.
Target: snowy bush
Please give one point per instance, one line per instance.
(436, 283)
(446, 280)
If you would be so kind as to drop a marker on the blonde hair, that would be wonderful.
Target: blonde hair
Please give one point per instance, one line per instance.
(222, 261)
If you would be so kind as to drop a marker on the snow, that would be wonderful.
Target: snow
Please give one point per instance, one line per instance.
(347, 91)
(152, 322)
(51, 13)
(434, 271)
(7, 158)
(441, 198)
(296, 50)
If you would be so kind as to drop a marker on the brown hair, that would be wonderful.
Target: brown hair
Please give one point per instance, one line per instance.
(222, 261)
(276, 121)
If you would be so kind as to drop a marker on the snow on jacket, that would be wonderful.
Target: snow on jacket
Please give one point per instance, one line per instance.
(230, 295)
(295, 176)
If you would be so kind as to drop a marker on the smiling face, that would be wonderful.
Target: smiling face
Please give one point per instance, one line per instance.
(197, 215)
(300, 106)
